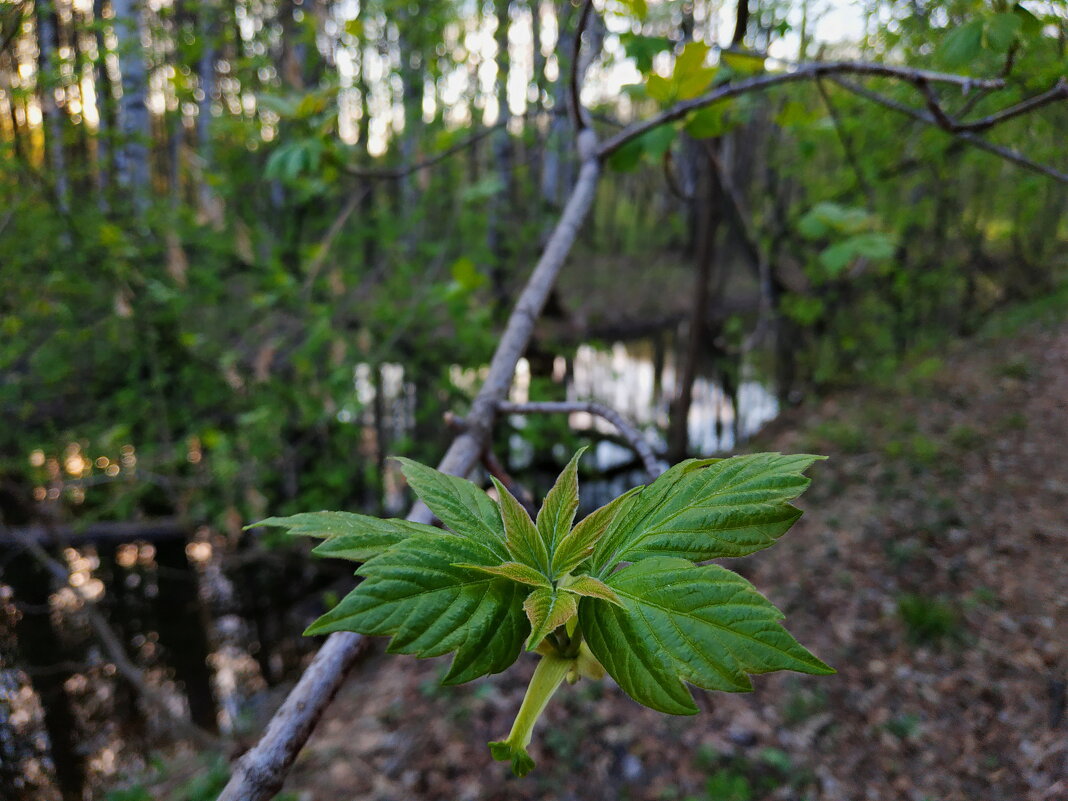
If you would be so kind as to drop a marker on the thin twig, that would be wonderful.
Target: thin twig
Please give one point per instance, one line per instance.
(331, 235)
(396, 173)
(115, 650)
(1057, 92)
(847, 144)
(627, 430)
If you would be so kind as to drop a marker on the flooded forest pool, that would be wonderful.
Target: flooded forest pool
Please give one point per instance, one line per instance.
(213, 627)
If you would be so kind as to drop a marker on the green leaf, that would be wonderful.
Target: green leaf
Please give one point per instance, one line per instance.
(837, 257)
(643, 49)
(691, 77)
(658, 141)
(875, 246)
(511, 570)
(1001, 30)
(660, 89)
(416, 593)
(691, 59)
(628, 157)
(1030, 25)
(466, 274)
(557, 511)
(708, 122)
(706, 511)
(618, 528)
(347, 535)
(680, 621)
(577, 546)
(825, 219)
(589, 587)
(743, 63)
(524, 541)
(962, 45)
(459, 504)
(547, 609)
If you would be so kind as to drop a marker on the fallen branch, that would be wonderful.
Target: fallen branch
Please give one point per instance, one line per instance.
(631, 434)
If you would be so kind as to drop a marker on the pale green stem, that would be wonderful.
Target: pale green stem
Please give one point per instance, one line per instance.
(547, 678)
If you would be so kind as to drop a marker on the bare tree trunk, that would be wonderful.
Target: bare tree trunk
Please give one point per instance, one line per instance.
(500, 216)
(367, 202)
(131, 156)
(207, 32)
(412, 101)
(47, 33)
(103, 173)
(706, 220)
(555, 175)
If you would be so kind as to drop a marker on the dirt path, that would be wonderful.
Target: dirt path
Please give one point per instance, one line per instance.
(931, 568)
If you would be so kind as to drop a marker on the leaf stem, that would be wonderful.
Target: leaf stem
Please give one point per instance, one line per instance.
(547, 678)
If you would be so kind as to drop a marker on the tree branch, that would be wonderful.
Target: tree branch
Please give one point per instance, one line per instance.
(966, 136)
(1058, 91)
(631, 434)
(802, 72)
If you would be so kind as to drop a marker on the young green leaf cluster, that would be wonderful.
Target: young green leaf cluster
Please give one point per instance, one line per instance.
(623, 591)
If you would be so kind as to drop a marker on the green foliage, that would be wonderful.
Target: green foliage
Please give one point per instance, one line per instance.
(1018, 369)
(741, 778)
(965, 438)
(803, 703)
(845, 436)
(620, 591)
(927, 620)
(904, 727)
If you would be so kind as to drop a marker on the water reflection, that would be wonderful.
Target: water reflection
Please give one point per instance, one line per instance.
(626, 378)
